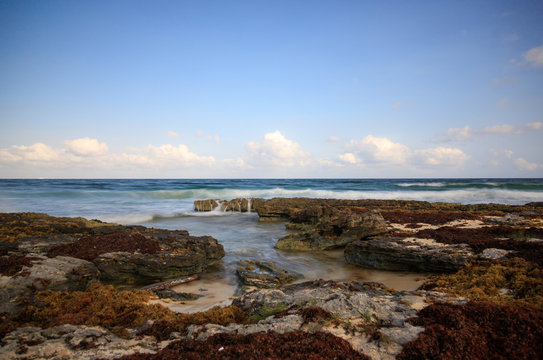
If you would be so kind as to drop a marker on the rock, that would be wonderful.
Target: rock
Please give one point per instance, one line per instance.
(59, 274)
(508, 219)
(280, 208)
(239, 205)
(264, 274)
(407, 254)
(73, 342)
(179, 256)
(494, 254)
(168, 284)
(333, 228)
(178, 296)
(121, 253)
(358, 311)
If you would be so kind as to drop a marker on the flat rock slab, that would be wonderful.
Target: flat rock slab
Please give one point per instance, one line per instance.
(407, 254)
(263, 274)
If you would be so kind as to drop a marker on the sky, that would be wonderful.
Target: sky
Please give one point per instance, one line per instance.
(271, 89)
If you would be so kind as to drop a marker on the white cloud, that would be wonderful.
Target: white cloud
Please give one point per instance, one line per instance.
(334, 139)
(526, 165)
(76, 153)
(534, 56)
(172, 134)
(499, 129)
(86, 147)
(380, 150)
(167, 155)
(38, 152)
(398, 105)
(460, 134)
(465, 133)
(276, 150)
(535, 125)
(349, 158)
(442, 156)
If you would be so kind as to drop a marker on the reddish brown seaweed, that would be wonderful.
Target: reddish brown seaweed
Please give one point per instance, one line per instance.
(90, 247)
(477, 331)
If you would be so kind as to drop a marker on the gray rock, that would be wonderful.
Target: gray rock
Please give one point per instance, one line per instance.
(263, 274)
(73, 342)
(408, 254)
(178, 296)
(181, 255)
(60, 274)
(494, 254)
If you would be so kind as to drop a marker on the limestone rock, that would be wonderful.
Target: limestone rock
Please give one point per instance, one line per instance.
(73, 342)
(407, 254)
(179, 256)
(263, 274)
(333, 228)
(60, 274)
(494, 254)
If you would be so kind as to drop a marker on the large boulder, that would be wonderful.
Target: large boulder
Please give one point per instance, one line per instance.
(408, 254)
(325, 227)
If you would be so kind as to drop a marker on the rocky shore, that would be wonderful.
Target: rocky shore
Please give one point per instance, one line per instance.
(61, 295)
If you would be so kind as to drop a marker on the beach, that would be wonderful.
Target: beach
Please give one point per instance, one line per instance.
(372, 273)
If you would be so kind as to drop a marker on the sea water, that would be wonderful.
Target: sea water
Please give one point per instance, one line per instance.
(167, 203)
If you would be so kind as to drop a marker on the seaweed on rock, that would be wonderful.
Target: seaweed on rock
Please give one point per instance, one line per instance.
(273, 346)
(102, 305)
(513, 281)
(476, 330)
(90, 247)
(502, 237)
(433, 217)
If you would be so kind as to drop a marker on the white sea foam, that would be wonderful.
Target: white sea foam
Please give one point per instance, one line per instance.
(466, 196)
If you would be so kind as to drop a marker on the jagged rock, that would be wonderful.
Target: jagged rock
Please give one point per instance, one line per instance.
(73, 342)
(358, 312)
(280, 208)
(178, 296)
(508, 219)
(179, 256)
(408, 254)
(60, 274)
(494, 254)
(333, 228)
(264, 274)
(239, 205)
(121, 253)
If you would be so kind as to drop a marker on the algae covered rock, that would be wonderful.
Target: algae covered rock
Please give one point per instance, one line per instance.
(264, 274)
(408, 254)
(332, 228)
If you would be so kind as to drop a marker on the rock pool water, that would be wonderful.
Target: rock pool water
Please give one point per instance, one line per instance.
(244, 237)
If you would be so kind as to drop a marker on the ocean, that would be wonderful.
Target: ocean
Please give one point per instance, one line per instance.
(168, 204)
(137, 201)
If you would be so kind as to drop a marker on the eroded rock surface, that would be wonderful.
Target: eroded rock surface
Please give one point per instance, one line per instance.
(408, 254)
(73, 342)
(263, 274)
(325, 227)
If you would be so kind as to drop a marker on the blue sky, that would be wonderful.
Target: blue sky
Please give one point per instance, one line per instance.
(271, 89)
